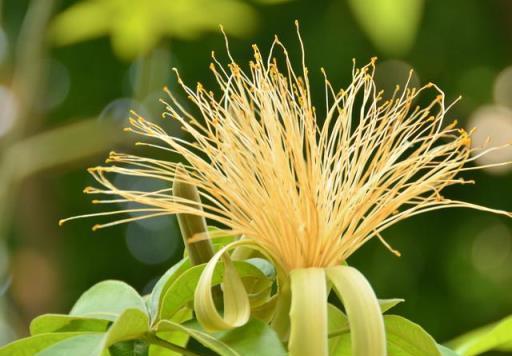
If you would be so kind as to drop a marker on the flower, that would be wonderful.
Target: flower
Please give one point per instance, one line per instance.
(309, 189)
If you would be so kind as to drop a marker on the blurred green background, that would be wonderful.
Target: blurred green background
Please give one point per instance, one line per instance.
(71, 70)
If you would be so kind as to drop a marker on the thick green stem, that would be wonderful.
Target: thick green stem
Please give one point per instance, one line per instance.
(192, 225)
(200, 251)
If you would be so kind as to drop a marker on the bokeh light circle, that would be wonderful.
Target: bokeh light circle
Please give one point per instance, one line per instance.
(151, 246)
(503, 88)
(118, 111)
(493, 128)
(491, 251)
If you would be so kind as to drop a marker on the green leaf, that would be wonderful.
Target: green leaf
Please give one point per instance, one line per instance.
(253, 339)
(495, 336)
(338, 327)
(406, 338)
(131, 324)
(81, 345)
(164, 284)
(63, 323)
(220, 238)
(31, 345)
(129, 348)
(386, 304)
(203, 338)
(446, 351)
(263, 265)
(183, 288)
(107, 300)
(178, 338)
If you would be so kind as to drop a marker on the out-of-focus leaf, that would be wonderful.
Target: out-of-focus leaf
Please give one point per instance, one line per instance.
(32, 345)
(64, 323)
(271, 2)
(137, 26)
(107, 300)
(495, 336)
(59, 146)
(390, 24)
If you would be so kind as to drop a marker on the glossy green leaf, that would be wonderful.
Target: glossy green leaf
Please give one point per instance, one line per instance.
(407, 338)
(32, 345)
(107, 300)
(81, 345)
(404, 338)
(338, 328)
(131, 324)
(163, 285)
(183, 288)
(494, 336)
(178, 338)
(387, 304)
(263, 265)
(253, 339)
(48, 323)
(130, 348)
(446, 351)
(203, 338)
(220, 238)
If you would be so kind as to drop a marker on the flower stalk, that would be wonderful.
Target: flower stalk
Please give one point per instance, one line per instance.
(199, 250)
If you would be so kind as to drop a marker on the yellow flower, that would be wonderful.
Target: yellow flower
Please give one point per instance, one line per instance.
(304, 189)
(308, 191)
